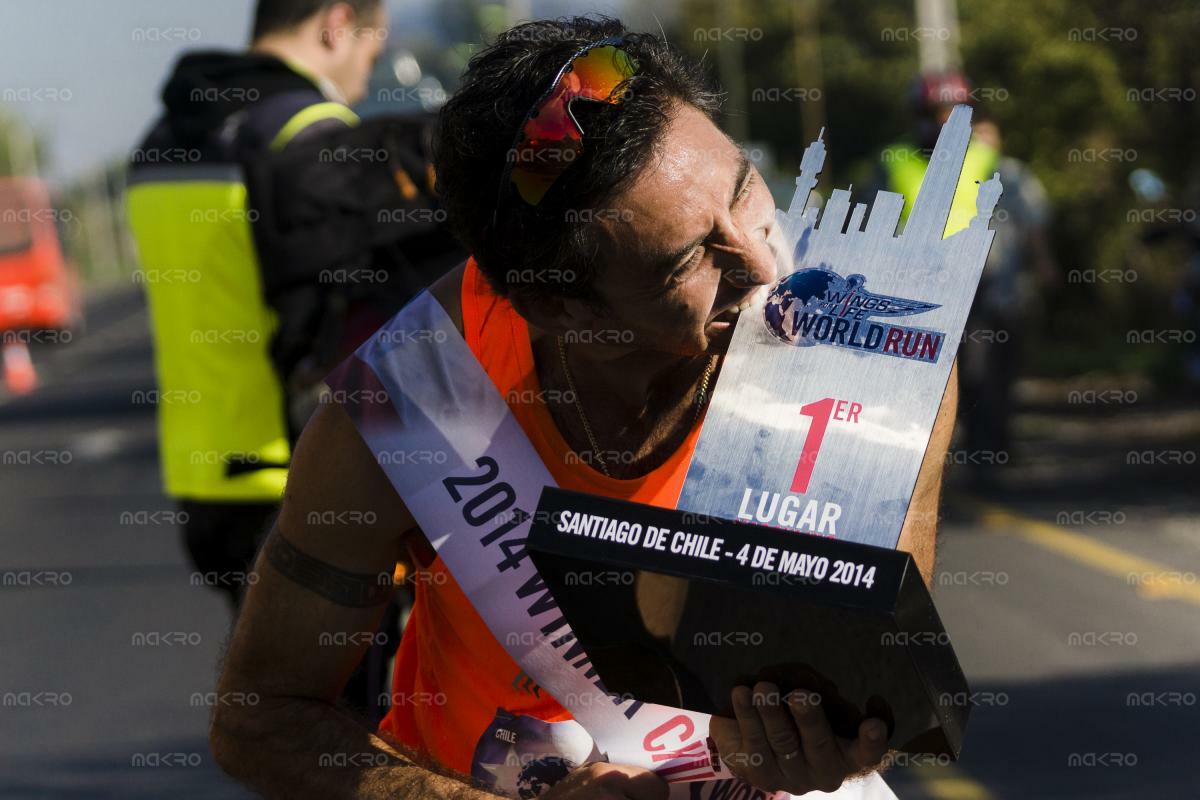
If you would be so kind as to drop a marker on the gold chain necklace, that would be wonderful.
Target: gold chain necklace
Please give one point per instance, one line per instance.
(700, 400)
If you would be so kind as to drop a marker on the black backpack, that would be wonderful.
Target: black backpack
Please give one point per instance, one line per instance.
(347, 229)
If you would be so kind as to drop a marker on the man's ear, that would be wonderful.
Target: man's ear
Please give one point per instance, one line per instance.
(337, 21)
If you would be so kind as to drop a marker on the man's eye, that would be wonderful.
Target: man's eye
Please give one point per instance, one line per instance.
(745, 192)
(686, 267)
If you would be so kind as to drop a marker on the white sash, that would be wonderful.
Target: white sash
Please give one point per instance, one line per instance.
(470, 477)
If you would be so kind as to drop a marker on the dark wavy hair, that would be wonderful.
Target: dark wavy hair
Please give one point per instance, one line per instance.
(548, 249)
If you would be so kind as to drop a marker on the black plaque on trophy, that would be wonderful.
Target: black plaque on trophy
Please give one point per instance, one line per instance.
(850, 621)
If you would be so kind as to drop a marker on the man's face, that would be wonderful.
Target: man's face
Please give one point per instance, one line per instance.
(684, 245)
(357, 44)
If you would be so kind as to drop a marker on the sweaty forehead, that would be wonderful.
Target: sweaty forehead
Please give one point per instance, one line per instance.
(677, 195)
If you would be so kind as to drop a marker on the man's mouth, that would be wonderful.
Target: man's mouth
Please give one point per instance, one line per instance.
(730, 314)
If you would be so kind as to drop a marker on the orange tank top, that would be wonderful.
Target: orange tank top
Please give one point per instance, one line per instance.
(454, 684)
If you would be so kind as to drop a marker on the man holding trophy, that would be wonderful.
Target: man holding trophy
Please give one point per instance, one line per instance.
(619, 240)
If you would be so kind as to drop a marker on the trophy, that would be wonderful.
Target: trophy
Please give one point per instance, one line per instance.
(783, 540)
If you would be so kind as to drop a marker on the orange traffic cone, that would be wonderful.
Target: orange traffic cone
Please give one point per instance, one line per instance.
(19, 375)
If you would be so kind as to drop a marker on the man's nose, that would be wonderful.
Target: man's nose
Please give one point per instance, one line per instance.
(748, 265)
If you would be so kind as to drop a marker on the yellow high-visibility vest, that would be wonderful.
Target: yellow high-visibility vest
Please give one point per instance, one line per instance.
(222, 421)
(905, 167)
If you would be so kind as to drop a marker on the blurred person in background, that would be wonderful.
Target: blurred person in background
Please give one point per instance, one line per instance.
(223, 431)
(347, 227)
(989, 358)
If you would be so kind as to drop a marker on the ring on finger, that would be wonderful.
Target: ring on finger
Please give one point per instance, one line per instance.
(791, 755)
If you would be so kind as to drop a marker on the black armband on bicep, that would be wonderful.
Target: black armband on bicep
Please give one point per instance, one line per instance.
(351, 589)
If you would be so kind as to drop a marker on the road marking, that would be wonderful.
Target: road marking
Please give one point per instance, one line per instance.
(1152, 580)
(946, 782)
(100, 445)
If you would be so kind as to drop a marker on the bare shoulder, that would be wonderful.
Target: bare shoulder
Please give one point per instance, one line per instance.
(336, 485)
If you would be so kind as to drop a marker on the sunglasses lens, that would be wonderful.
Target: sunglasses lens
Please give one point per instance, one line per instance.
(601, 70)
(551, 138)
(534, 180)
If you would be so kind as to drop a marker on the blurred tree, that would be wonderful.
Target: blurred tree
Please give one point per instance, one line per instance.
(22, 150)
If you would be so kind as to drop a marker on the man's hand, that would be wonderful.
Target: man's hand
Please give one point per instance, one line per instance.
(785, 743)
(609, 782)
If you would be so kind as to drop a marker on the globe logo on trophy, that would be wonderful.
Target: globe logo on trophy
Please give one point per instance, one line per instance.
(818, 306)
(799, 292)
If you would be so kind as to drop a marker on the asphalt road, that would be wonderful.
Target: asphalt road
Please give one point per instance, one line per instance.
(1071, 591)
(87, 712)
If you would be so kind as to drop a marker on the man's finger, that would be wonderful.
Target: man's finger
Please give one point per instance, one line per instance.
(752, 760)
(869, 748)
(781, 734)
(726, 733)
(826, 766)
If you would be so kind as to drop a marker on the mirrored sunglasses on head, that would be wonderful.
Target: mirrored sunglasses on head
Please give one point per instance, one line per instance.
(551, 137)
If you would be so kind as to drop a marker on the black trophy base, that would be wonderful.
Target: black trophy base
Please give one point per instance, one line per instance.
(677, 609)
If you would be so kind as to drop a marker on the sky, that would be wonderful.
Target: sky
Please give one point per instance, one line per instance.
(86, 74)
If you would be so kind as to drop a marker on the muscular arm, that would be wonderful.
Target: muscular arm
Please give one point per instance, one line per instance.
(919, 534)
(323, 578)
